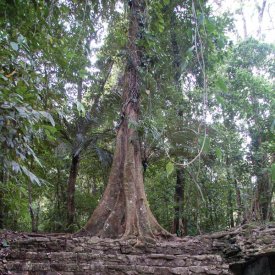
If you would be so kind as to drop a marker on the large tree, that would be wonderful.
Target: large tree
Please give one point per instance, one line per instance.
(123, 210)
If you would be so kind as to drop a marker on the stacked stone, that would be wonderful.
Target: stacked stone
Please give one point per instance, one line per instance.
(68, 255)
(226, 252)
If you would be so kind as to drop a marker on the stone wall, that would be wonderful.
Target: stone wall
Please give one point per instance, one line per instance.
(229, 252)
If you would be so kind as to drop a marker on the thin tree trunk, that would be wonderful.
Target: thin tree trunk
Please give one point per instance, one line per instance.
(260, 17)
(1, 208)
(263, 194)
(271, 205)
(33, 214)
(57, 194)
(261, 200)
(175, 51)
(244, 20)
(230, 193)
(262, 197)
(241, 215)
(210, 208)
(179, 223)
(230, 208)
(124, 211)
(58, 200)
(2, 196)
(77, 148)
(71, 191)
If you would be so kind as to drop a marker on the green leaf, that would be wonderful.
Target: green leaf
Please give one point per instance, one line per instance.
(14, 46)
(50, 132)
(33, 178)
(160, 27)
(80, 108)
(169, 168)
(221, 84)
(49, 135)
(220, 99)
(21, 39)
(48, 116)
(82, 73)
(190, 50)
(31, 152)
(210, 26)
(51, 129)
(15, 167)
(2, 76)
(219, 153)
(205, 143)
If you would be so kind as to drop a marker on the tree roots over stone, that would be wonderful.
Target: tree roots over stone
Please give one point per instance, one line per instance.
(123, 212)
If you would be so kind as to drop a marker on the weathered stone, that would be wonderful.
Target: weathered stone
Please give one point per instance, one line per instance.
(162, 256)
(179, 270)
(197, 269)
(67, 255)
(78, 249)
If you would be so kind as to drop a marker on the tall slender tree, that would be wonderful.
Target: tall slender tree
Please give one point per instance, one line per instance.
(124, 210)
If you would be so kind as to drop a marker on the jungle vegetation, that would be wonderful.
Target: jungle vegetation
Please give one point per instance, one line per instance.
(135, 118)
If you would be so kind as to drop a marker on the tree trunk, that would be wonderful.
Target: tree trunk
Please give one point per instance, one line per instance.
(1, 208)
(179, 224)
(241, 215)
(175, 51)
(261, 10)
(230, 208)
(263, 196)
(244, 20)
(2, 196)
(34, 214)
(230, 179)
(123, 210)
(262, 200)
(71, 191)
(263, 190)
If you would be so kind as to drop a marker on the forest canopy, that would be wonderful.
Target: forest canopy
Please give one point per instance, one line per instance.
(170, 98)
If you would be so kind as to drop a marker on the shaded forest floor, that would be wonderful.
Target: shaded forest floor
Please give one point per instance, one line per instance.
(227, 252)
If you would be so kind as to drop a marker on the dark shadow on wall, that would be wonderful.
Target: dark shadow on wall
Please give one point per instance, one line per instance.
(262, 265)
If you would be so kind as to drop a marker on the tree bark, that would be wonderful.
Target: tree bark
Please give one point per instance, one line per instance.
(34, 214)
(244, 20)
(2, 196)
(230, 208)
(179, 223)
(1, 209)
(71, 191)
(263, 196)
(241, 215)
(261, 10)
(123, 211)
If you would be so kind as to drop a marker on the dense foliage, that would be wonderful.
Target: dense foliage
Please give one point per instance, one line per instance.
(207, 123)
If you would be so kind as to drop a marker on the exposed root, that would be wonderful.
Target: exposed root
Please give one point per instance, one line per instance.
(124, 211)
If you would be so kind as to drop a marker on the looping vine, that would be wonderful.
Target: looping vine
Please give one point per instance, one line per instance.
(200, 58)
